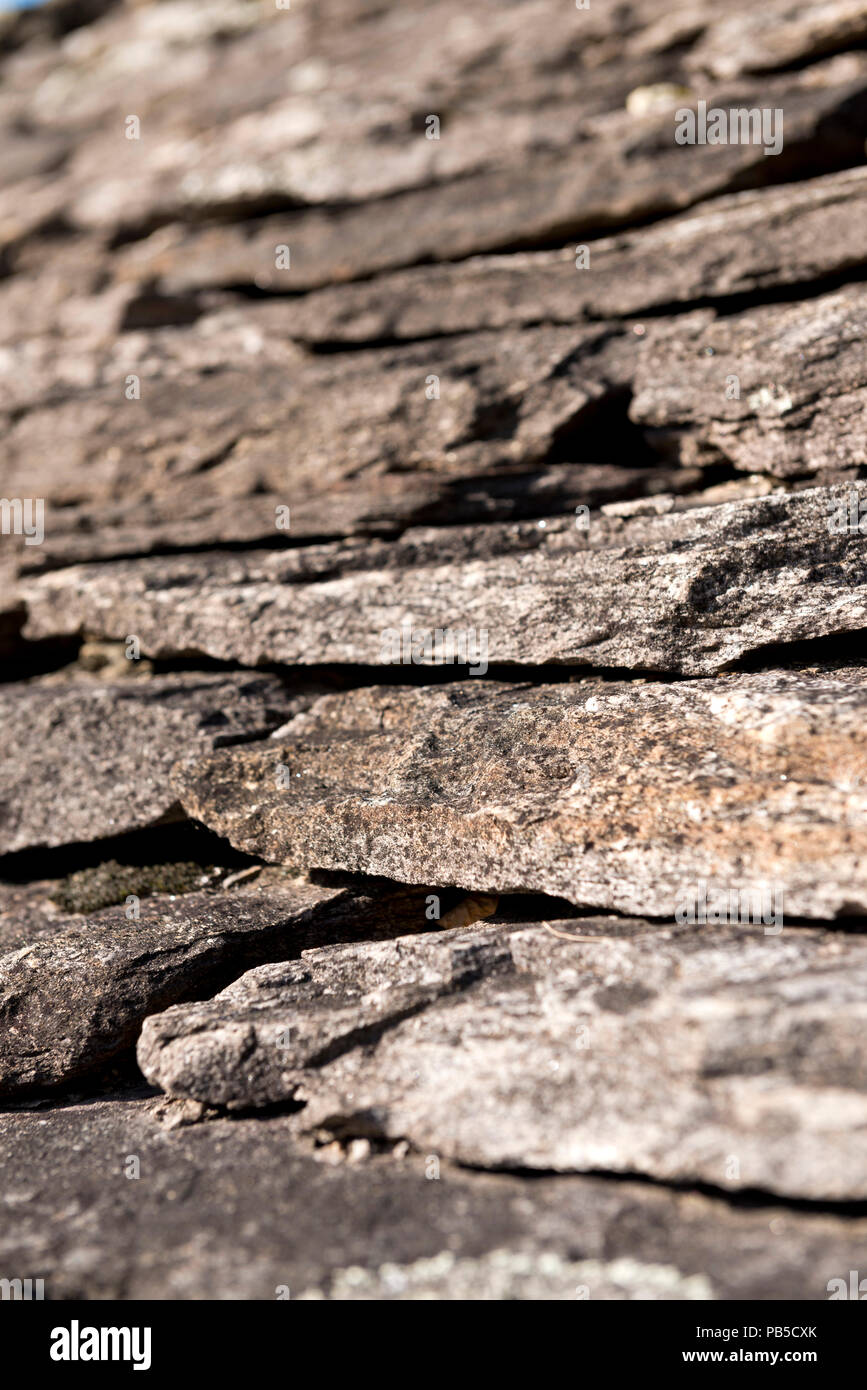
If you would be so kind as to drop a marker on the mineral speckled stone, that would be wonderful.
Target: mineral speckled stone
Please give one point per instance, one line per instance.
(703, 1054)
(69, 1211)
(30, 912)
(459, 412)
(625, 169)
(77, 996)
(91, 760)
(770, 389)
(686, 591)
(717, 251)
(613, 795)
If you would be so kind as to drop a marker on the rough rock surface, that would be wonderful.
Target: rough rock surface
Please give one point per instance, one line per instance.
(326, 328)
(716, 252)
(614, 795)
(622, 167)
(799, 380)
(687, 591)
(703, 1054)
(28, 914)
(779, 35)
(76, 997)
(359, 446)
(194, 1225)
(91, 759)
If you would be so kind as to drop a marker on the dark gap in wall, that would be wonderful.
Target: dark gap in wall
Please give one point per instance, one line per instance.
(746, 1198)
(180, 841)
(831, 653)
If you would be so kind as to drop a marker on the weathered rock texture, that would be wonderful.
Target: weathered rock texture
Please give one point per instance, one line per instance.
(799, 379)
(722, 1056)
(779, 35)
(28, 914)
(195, 1225)
(77, 997)
(615, 168)
(689, 591)
(718, 252)
(326, 330)
(91, 760)
(312, 143)
(361, 446)
(611, 795)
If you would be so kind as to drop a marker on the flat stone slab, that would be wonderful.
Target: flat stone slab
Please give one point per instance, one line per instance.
(778, 35)
(292, 112)
(703, 1054)
(301, 116)
(91, 759)
(28, 914)
(238, 437)
(688, 591)
(194, 1225)
(777, 389)
(379, 507)
(252, 402)
(73, 998)
(717, 251)
(556, 402)
(78, 997)
(613, 168)
(616, 795)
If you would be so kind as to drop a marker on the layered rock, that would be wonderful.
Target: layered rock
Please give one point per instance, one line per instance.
(688, 591)
(74, 1215)
(717, 252)
(772, 389)
(91, 758)
(593, 175)
(73, 998)
(28, 913)
(382, 347)
(779, 35)
(237, 440)
(707, 1054)
(615, 795)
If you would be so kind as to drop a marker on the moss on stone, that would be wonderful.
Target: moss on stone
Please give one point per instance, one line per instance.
(110, 884)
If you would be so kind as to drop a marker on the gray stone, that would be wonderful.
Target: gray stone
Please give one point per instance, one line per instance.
(90, 759)
(27, 914)
(294, 112)
(311, 423)
(508, 1274)
(717, 251)
(72, 999)
(617, 795)
(702, 1054)
(605, 172)
(225, 436)
(195, 1224)
(688, 591)
(778, 35)
(723, 532)
(774, 389)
